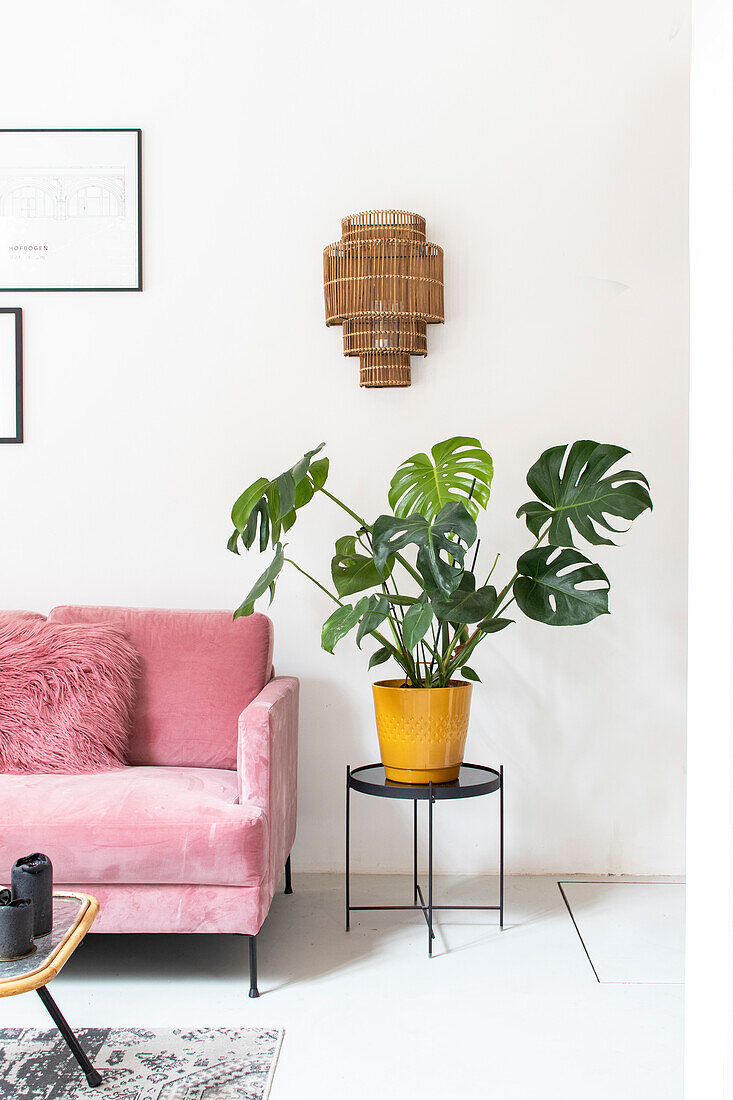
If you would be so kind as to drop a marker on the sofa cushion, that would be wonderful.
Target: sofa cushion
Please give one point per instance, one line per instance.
(147, 825)
(199, 670)
(66, 695)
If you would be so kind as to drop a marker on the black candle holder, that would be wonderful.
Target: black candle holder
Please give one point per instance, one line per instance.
(16, 927)
(32, 877)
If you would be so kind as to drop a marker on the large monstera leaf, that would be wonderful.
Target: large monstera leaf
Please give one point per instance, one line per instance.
(352, 571)
(460, 470)
(368, 613)
(548, 587)
(375, 614)
(271, 505)
(439, 556)
(583, 494)
(466, 604)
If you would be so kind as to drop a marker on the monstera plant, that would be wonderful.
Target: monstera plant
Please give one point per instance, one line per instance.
(422, 597)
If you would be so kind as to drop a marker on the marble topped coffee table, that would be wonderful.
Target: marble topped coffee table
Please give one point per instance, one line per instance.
(73, 916)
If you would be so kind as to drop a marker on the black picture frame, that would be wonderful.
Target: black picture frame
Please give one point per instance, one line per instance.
(18, 437)
(139, 184)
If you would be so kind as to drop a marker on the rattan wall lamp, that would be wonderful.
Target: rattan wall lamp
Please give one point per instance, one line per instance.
(383, 281)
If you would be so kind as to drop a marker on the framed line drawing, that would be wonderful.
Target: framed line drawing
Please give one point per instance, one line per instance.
(11, 375)
(70, 210)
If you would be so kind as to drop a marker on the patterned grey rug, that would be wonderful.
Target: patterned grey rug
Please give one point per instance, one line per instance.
(137, 1064)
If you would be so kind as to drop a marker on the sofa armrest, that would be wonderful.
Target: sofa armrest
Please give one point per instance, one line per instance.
(267, 764)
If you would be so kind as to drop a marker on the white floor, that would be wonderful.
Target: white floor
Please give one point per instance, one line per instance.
(517, 1014)
(631, 931)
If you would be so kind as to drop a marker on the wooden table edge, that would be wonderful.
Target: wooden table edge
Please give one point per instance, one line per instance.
(42, 975)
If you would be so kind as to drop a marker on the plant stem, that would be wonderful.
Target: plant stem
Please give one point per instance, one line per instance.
(363, 523)
(506, 587)
(396, 619)
(359, 519)
(433, 649)
(408, 667)
(509, 603)
(317, 583)
(425, 652)
(451, 647)
(444, 643)
(413, 572)
(409, 664)
(493, 567)
(374, 633)
(477, 637)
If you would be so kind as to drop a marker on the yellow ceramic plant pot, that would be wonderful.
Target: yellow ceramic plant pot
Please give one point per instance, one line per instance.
(422, 731)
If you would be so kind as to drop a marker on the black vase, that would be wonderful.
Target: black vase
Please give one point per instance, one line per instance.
(32, 877)
(16, 927)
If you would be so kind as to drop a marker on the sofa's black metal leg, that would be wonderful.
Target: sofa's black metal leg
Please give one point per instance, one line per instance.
(288, 877)
(91, 1074)
(253, 990)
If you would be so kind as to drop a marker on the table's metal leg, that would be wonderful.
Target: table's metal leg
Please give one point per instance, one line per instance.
(91, 1074)
(501, 847)
(430, 871)
(348, 791)
(288, 877)
(414, 852)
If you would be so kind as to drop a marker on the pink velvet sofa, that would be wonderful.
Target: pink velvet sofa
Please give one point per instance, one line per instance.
(195, 834)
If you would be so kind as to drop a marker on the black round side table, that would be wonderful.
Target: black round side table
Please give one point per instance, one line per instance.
(473, 780)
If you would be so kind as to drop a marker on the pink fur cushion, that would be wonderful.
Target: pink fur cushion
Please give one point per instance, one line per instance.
(66, 696)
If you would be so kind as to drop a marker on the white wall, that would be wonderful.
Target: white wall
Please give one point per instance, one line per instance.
(546, 144)
(709, 916)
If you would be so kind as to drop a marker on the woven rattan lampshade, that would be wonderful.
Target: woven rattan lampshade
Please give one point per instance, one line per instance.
(383, 281)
